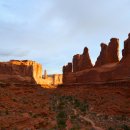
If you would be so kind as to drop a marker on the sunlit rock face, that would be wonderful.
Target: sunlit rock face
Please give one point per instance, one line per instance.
(57, 79)
(54, 79)
(27, 72)
(21, 71)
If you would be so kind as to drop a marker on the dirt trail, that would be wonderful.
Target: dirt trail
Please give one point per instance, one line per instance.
(92, 123)
(88, 120)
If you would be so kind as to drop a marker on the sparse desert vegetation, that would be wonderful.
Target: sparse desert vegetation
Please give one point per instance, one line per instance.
(36, 108)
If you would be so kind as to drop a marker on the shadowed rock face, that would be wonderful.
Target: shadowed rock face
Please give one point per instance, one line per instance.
(108, 54)
(20, 71)
(126, 50)
(85, 61)
(102, 59)
(67, 68)
(107, 67)
(82, 62)
(76, 60)
(113, 50)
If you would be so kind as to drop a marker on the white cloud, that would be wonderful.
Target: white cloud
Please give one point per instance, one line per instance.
(53, 31)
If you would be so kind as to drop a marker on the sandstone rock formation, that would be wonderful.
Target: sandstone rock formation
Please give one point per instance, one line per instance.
(55, 79)
(85, 61)
(126, 50)
(82, 62)
(113, 50)
(122, 70)
(108, 54)
(108, 68)
(21, 71)
(102, 59)
(76, 60)
(27, 72)
(67, 68)
(45, 74)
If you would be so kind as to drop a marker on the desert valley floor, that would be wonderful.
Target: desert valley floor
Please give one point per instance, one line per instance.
(64, 108)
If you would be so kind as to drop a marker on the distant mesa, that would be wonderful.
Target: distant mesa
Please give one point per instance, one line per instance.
(17, 71)
(107, 68)
(45, 76)
(26, 72)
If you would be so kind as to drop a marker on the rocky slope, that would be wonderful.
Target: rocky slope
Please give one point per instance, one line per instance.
(74, 107)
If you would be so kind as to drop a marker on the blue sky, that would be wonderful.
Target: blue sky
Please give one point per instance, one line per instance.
(52, 31)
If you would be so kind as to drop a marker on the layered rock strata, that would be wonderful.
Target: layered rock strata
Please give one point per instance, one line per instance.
(21, 71)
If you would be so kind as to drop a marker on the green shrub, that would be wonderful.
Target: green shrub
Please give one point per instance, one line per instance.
(76, 103)
(83, 107)
(111, 128)
(61, 123)
(125, 127)
(3, 128)
(62, 114)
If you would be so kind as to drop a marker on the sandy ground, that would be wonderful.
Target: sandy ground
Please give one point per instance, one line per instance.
(36, 108)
